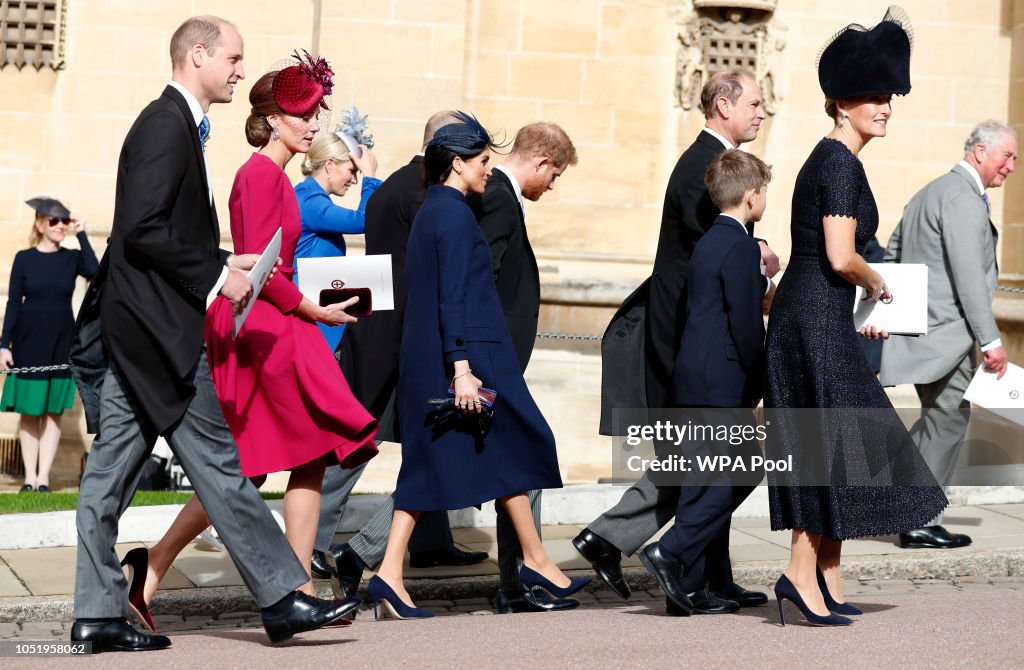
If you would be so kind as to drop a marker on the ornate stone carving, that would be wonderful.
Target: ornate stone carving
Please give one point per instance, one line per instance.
(32, 33)
(723, 34)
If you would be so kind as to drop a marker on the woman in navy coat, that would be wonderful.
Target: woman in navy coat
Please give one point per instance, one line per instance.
(455, 334)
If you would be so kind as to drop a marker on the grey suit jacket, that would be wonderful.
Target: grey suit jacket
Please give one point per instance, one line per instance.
(946, 226)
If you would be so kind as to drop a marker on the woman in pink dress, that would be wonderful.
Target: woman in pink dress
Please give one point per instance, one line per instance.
(281, 391)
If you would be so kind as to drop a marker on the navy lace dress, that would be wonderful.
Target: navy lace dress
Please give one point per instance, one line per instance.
(850, 438)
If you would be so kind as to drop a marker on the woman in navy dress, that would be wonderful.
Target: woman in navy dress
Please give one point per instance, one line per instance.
(455, 334)
(878, 482)
(38, 327)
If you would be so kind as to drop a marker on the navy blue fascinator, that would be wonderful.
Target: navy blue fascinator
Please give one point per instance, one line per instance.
(858, 61)
(465, 138)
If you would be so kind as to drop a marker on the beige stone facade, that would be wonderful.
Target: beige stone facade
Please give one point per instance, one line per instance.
(603, 69)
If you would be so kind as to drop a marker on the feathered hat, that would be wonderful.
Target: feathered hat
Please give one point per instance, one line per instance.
(467, 137)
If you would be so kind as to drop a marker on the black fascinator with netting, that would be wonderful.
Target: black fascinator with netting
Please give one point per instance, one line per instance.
(859, 61)
(467, 137)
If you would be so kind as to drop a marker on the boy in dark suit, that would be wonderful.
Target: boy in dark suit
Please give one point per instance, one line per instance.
(718, 367)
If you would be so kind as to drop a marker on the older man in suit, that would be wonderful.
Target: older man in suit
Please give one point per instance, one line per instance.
(947, 226)
(540, 153)
(162, 264)
(647, 330)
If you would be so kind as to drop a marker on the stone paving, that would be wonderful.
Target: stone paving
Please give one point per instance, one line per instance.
(855, 592)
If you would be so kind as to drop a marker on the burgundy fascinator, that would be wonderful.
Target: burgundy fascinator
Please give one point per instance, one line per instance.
(299, 89)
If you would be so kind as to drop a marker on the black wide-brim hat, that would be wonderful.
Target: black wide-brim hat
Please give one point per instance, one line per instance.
(860, 61)
(49, 207)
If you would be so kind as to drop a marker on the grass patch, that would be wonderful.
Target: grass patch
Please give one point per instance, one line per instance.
(32, 501)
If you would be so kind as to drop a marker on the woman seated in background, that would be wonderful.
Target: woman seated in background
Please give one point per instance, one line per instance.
(455, 334)
(330, 168)
(38, 327)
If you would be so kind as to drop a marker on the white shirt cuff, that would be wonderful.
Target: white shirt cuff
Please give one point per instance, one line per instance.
(994, 344)
(769, 287)
(220, 282)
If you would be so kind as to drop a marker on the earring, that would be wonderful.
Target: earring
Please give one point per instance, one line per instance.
(275, 133)
(842, 119)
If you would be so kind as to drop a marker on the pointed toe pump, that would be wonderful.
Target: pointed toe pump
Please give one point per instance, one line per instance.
(831, 603)
(137, 561)
(784, 590)
(380, 592)
(531, 578)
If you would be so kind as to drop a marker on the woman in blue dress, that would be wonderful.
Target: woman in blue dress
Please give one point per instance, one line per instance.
(857, 472)
(455, 334)
(330, 169)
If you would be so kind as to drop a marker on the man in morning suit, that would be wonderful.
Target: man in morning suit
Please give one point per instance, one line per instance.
(653, 318)
(720, 365)
(540, 153)
(368, 355)
(162, 264)
(947, 226)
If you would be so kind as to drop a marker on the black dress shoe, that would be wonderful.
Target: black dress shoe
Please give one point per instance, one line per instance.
(933, 537)
(298, 613)
(449, 556)
(116, 635)
(741, 596)
(668, 572)
(605, 558)
(705, 602)
(319, 567)
(346, 568)
(26, 488)
(535, 600)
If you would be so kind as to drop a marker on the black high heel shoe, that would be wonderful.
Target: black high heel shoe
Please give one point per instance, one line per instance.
(531, 578)
(831, 603)
(137, 561)
(379, 590)
(784, 590)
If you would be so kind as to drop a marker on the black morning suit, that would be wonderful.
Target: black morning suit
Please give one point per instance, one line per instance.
(150, 300)
(644, 335)
(719, 366)
(515, 267)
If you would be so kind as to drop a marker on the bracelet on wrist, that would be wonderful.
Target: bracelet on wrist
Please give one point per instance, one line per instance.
(458, 376)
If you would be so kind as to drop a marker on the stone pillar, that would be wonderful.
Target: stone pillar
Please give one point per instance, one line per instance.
(1012, 261)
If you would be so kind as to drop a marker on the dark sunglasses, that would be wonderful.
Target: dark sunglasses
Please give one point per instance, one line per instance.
(55, 220)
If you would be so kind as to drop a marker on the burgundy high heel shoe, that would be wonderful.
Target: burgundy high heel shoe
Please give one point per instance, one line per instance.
(137, 561)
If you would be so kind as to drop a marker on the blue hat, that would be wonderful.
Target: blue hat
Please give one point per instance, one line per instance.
(465, 138)
(859, 61)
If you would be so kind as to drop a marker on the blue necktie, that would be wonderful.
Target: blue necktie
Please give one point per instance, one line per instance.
(988, 204)
(204, 131)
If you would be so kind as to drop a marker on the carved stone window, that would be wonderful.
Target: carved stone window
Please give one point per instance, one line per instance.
(725, 34)
(32, 33)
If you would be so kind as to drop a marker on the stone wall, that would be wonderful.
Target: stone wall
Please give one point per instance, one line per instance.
(603, 69)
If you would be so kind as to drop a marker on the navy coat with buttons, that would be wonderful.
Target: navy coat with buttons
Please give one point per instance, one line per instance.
(453, 313)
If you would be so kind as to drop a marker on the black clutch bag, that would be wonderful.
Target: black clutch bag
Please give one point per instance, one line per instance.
(445, 415)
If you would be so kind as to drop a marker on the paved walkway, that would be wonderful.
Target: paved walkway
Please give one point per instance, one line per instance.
(36, 584)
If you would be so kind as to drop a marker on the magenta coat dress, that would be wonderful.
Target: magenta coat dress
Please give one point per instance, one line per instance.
(280, 388)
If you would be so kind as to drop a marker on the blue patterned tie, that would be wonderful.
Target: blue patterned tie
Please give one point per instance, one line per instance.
(204, 131)
(988, 204)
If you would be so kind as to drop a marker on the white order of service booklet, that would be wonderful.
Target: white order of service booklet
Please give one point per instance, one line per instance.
(1002, 396)
(258, 275)
(372, 272)
(907, 312)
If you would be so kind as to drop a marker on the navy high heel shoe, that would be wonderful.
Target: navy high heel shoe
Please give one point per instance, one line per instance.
(831, 603)
(531, 578)
(137, 561)
(380, 591)
(784, 590)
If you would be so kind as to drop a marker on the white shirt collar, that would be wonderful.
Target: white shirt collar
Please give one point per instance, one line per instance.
(974, 173)
(515, 184)
(193, 103)
(733, 218)
(727, 143)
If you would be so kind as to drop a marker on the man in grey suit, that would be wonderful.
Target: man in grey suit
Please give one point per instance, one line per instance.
(947, 226)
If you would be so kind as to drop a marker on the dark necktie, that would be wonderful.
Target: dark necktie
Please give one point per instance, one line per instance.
(204, 131)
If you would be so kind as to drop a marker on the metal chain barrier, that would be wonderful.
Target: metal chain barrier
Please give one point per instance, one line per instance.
(565, 336)
(36, 368)
(1010, 289)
